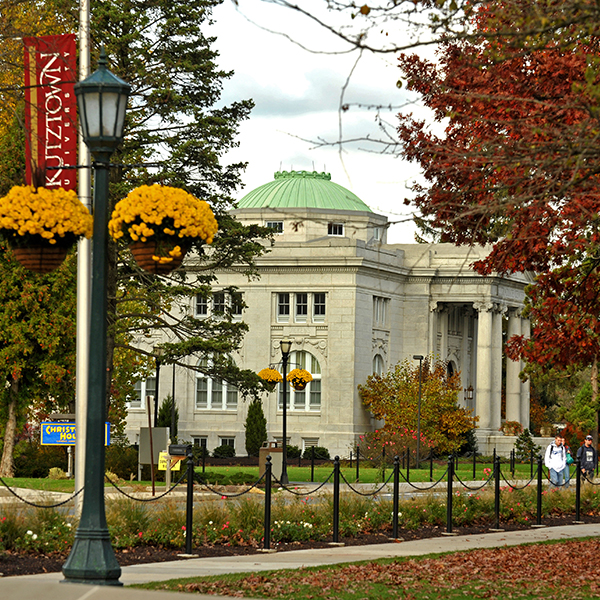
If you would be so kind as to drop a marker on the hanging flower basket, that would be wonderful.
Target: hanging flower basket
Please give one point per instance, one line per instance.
(41, 259)
(160, 223)
(41, 225)
(157, 257)
(271, 378)
(298, 378)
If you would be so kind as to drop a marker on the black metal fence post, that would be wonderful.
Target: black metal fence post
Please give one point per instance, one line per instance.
(350, 458)
(312, 464)
(449, 495)
(578, 491)
(267, 523)
(204, 452)
(189, 508)
(497, 491)
(336, 500)
(407, 465)
(383, 463)
(474, 465)
(431, 466)
(396, 497)
(538, 520)
(357, 463)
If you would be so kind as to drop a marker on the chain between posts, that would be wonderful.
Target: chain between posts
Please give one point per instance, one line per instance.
(40, 505)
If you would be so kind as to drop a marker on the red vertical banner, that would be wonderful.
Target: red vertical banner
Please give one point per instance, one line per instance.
(50, 111)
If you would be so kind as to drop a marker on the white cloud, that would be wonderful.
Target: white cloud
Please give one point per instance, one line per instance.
(297, 96)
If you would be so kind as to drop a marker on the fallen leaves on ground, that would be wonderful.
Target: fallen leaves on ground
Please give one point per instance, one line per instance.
(568, 569)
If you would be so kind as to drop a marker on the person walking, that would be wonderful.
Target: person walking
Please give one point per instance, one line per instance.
(556, 460)
(588, 458)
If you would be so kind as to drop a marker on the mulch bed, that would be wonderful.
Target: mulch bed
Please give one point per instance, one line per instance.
(15, 563)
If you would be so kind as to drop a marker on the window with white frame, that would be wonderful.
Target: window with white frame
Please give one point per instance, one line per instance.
(380, 309)
(213, 393)
(308, 399)
(302, 305)
(378, 365)
(142, 389)
(335, 229)
(201, 441)
(301, 308)
(283, 308)
(220, 303)
(227, 441)
(319, 307)
(276, 225)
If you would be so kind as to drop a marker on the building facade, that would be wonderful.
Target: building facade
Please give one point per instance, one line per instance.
(352, 305)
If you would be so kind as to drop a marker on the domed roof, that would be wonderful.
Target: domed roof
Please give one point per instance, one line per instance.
(303, 189)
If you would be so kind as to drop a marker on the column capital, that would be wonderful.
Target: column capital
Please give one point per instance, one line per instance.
(483, 306)
(500, 308)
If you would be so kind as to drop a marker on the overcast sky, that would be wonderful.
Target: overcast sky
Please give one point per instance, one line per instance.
(297, 96)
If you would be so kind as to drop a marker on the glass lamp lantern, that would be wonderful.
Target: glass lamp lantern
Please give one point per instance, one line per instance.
(102, 101)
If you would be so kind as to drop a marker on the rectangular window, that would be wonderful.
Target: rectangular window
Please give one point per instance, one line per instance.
(227, 441)
(201, 441)
(377, 233)
(380, 310)
(276, 225)
(299, 400)
(202, 393)
(219, 305)
(301, 308)
(201, 306)
(217, 394)
(283, 307)
(335, 229)
(232, 397)
(237, 303)
(315, 395)
(318, 308)
(136, 400)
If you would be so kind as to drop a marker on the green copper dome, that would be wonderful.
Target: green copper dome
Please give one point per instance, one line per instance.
(303, 189)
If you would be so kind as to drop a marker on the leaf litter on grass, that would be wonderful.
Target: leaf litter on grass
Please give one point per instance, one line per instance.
(566, 570)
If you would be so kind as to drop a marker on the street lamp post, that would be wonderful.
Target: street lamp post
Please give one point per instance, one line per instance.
(102, 100)
(286, 346)
(173, 424)
(420, 359)
(158, 351)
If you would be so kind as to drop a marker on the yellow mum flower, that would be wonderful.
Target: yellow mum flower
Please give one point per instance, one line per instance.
(51, 216)
(164, 212)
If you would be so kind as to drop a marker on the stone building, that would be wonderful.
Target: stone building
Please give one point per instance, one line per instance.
(352, 304)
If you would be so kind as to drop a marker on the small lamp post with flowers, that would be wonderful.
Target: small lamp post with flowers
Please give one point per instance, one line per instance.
(102, 100)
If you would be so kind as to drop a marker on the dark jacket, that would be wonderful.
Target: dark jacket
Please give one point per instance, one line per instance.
(587, 458)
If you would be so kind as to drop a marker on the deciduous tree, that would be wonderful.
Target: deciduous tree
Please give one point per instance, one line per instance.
(394, 397)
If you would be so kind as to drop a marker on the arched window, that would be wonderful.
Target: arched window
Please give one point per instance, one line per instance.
(213, 393)
(309, 399)
(378, 367)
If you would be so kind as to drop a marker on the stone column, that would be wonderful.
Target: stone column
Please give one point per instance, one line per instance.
(526, 333)
(443, 321)
(513, 368)
(496, 388)
(433, 327)
(483, 392)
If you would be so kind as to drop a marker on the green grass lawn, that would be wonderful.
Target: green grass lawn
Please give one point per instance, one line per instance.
(236, 474)
(525, 572)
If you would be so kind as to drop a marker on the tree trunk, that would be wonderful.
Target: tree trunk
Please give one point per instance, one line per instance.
(7, 465)
(594, 382)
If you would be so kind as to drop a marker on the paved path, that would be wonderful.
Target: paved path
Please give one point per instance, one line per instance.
(47, 585)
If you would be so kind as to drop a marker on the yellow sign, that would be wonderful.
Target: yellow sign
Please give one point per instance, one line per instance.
(163, 457)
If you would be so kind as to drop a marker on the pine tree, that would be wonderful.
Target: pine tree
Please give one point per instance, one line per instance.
(256, 427)
(164, 416)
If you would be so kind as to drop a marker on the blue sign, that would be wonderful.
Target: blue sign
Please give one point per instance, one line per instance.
(65, 434)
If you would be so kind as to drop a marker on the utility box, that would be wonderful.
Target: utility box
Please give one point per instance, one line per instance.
(276, 453)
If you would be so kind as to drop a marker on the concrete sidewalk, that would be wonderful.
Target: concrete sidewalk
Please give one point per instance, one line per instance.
(46, 585)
